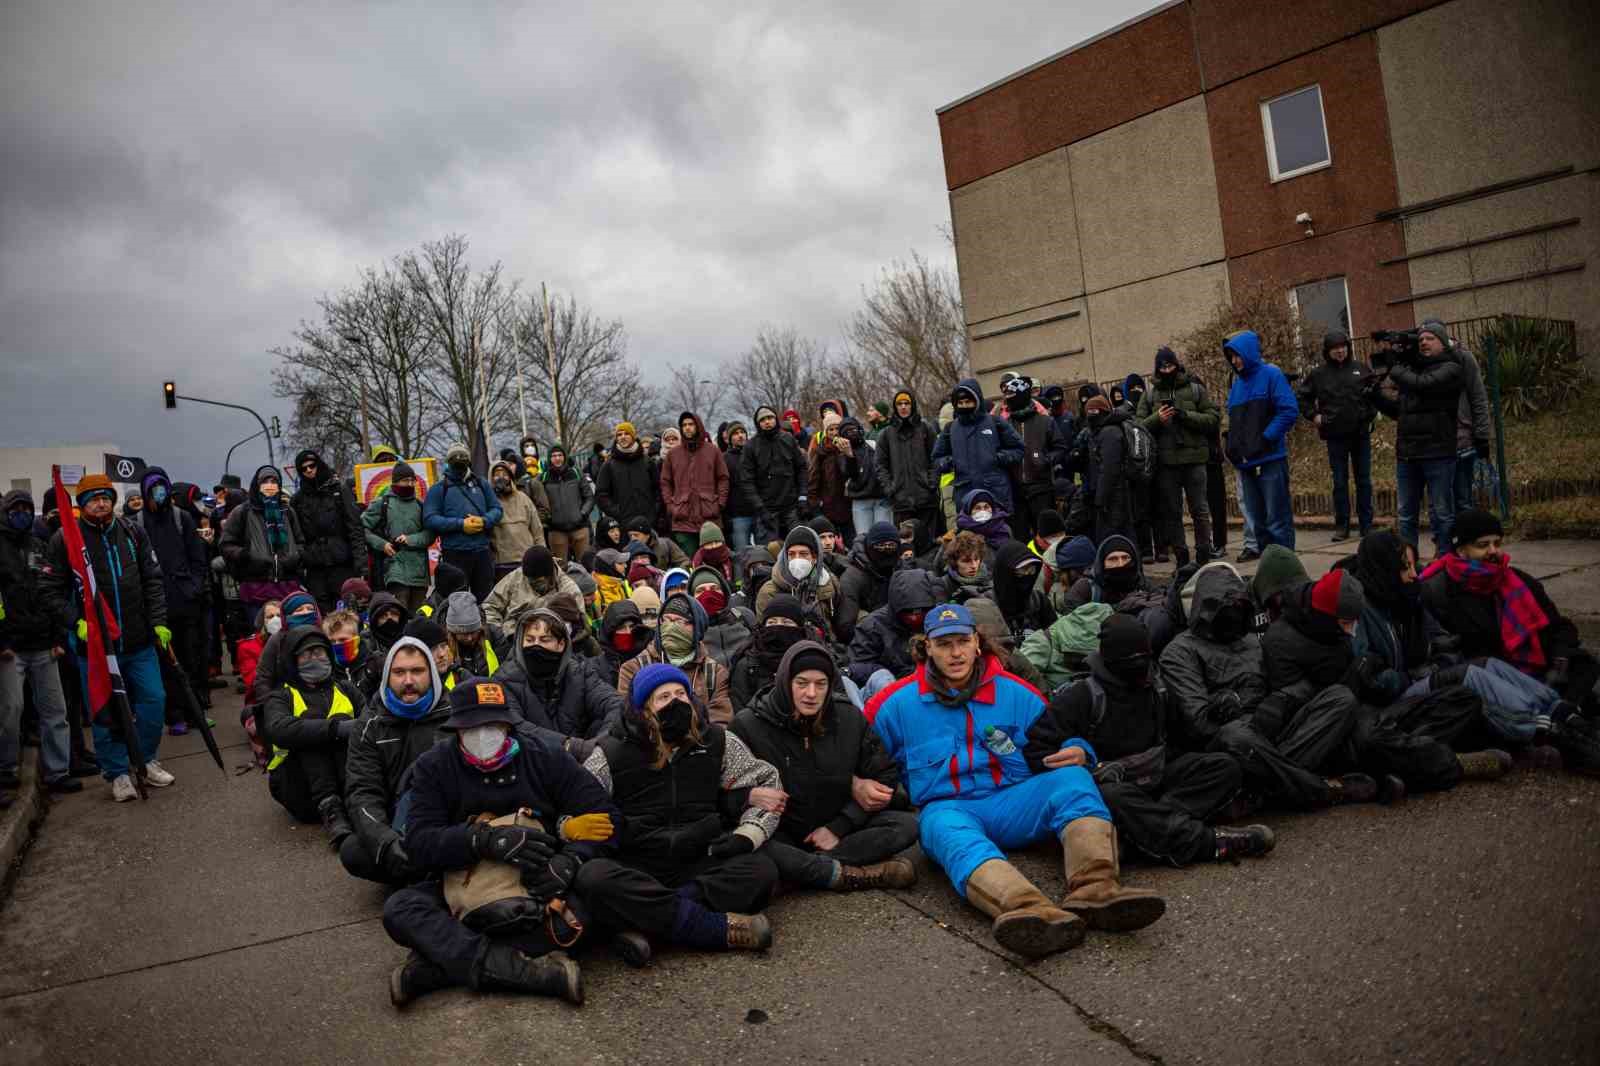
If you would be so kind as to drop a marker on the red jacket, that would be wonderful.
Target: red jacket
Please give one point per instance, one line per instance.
(248, 656)
(694, 482)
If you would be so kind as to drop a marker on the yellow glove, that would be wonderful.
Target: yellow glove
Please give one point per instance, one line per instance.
(163, 637)
(586, 827)
(472, 524)
(83, 629)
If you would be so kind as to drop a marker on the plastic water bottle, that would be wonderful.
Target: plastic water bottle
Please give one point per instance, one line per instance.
(996, 740)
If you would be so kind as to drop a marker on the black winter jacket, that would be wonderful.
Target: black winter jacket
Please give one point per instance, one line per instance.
(1133, 719)
(30, 624)
(772, 472)
(379, 756)
(183, 556)
(570, 497)
(1337, 392)
(879, 641)
(575, 703)
(126, 572)
(1476, 619)
(329, 521)
(629, 487)
(863, 588)
(1430, 394)
(1213, 683)
(244, 540)
(1043, 448)
(905, 463)
(738, 501)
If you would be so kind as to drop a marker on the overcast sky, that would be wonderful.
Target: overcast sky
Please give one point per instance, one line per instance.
(179, 183)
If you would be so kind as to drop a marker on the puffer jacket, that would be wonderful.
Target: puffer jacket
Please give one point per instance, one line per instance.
(629, 486)
(450, 501)
(980, 450)
(1058, 652)
(1183, 441)
(861, 468)
(694, 481)
(1426, 409)
(570, 498)
(905, 463)
(576, 702)
(772, 472)
(328, 519)
(1338, 392)
(244, 539)
(1261, 406)
(879, 641)
(1214, 683)
(29, 623)
(126, 572)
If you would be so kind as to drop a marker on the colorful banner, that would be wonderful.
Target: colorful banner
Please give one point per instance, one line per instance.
(372, 479)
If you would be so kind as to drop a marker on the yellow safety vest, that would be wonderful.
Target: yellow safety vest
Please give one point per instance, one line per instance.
(426, 610)
(341, 705)
(490, 658)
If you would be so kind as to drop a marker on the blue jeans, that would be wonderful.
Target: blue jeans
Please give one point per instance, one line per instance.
(1343, 454)
(39, 669)
(1438, 477)
(963, 834)
(1252, 543)
(1264, 499)
(740, 529)
(1514, 705)
(141, 676)
(865, 512)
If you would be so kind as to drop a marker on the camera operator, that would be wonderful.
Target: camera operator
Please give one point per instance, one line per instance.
(1426, 380)
(1334, 397)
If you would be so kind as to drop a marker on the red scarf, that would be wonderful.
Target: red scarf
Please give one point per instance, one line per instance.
(1521, 617)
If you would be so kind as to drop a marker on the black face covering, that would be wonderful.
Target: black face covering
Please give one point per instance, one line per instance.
(390, 630)
(673, 720)
(1232, 620)
(775, 640)
(883, 560)
(1121, 579)
(1135, 670)
(541, 661)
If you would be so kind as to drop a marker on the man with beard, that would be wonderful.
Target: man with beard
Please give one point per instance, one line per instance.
(333, 533)
(694, 483)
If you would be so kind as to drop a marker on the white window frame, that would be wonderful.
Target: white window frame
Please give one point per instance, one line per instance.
(1272, 149)
(1294, 301)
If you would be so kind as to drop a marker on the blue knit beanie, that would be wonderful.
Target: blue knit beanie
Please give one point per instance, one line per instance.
(652, 677)
(1075, 554)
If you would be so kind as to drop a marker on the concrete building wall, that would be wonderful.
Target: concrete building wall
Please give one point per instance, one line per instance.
(1128, 324)
(1146, 197)
(29, 468)
(1016, 241)
(1239, 37)
(1047, 342)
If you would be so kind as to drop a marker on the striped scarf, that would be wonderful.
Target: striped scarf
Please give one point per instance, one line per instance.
(1521, 617)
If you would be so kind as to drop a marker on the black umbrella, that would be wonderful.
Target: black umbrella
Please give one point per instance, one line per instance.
(193, 711)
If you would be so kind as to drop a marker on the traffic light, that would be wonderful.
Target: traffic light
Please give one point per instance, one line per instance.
(277, 427)
(169, 391)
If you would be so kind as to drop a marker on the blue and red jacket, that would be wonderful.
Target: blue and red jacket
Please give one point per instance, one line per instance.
(941, 750)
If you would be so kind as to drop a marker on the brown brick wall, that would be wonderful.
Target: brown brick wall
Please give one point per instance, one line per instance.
(1147, 66)
(1258, 213)
(1353, 253)
(1239, 37)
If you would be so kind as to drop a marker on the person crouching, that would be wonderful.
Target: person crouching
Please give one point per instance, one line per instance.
(309, 721)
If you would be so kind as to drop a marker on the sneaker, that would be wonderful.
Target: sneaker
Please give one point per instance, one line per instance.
(1237, 842)
(179, 729)
(1247, 556)
(156, 776)
(64, 785)
(122, 789)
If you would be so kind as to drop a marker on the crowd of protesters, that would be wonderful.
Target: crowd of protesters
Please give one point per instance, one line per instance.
(623, 703)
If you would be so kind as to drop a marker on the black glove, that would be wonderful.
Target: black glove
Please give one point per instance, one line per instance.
(1446, 645)
(728, 845)
(1481, 447)
(343, 726)
(553, 880)
(1454, 674)
(1361, 673)
(395, 860)
(530, 849)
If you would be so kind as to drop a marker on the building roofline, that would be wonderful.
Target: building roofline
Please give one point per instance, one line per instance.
(1030, 68)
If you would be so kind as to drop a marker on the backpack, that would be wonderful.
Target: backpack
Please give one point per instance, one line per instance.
(1138, 453)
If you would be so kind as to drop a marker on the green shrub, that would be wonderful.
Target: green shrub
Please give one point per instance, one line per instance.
(1540, 368)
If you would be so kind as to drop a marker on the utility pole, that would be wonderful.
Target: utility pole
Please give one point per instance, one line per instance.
(483, 390)
(550, 359)
(366, 437)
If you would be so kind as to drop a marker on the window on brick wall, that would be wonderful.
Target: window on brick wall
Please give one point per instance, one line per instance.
(1324, 306)
(1297, 134)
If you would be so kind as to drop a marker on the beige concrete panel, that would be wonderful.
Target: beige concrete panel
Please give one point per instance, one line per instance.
(1014, 348)
(1481, 91)
(1016, 244)
(1127, 325)
(1063, 370)
(1146, 194)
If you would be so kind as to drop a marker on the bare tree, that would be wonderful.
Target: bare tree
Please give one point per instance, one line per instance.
(909, 334)
(581, 382)
(781, 369)
(688, 389)
(645, 407)
(325, 427)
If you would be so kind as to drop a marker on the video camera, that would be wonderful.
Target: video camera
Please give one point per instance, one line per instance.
(1403, 346)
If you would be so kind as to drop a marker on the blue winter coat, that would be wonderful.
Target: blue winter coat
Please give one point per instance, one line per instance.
(1261, 406)
(978, 448)
(449, 500)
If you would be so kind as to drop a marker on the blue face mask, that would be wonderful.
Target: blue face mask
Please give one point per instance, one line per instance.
(158, 495)
(401, 709)
(21, 521)
(295, 621)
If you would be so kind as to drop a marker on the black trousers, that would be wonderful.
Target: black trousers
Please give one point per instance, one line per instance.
(1167, 819)
(1288, 768)
(479, 568)
(1217, 503)
(1173, 483)
(189, 647)
(619, 896)
(323, 582)
(417, 917)
(886, 834)
(774, 525)
(306, 778)
(1378, 745)
(1032, 501)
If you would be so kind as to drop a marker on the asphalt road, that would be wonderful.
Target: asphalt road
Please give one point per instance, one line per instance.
(202, 926)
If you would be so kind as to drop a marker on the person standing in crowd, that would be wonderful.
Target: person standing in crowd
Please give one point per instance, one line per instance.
(1261, 411)
(596, 460)
(1426, 403)
(905, 464)
(861, 485)
(571, 496)
(740, 514)
(31, 640)
(397, 535)
(1181, 417)
(694, 483)
(184, 566)
(334, 538)
(462, 510)
(1474, 426)
(772, 474)
(128, 575)
(1334, 398)
(1107, 485)
(519, 528)
(1042, 451)
(629, 482)
(825, 474)
(979, 449)
(877, 416)
(261, 543)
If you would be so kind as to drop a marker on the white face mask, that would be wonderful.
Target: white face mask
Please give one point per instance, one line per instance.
(274, 624)
(983, 516)
(800, 569)
(484, 742)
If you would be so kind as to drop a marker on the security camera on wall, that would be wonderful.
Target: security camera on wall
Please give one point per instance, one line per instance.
(1304, 219)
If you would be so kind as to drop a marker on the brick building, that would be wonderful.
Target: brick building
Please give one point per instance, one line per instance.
(1447, 154)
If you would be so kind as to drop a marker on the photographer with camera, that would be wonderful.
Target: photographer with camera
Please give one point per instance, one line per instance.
(1420, 388)
(1334, 398)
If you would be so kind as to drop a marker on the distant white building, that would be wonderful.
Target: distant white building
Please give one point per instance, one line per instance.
(29, 468)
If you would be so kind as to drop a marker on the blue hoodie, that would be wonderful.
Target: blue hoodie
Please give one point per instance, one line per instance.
(978, 447)
(1261, 406)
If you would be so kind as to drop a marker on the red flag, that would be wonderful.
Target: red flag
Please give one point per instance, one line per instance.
(101, 664)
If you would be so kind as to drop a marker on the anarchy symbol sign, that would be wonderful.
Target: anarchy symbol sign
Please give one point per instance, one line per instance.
(124, 469)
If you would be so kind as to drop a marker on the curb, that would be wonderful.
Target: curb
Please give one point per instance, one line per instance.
(19, 822)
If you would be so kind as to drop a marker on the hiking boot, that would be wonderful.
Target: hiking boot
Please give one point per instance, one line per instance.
(1093, 891)
(1539, 757)
(1342, 533)
(633, 948)
(895, 873)
(749, 932)
(1024, 920)
(156, 775)
(414, 978)
(64, 785)
(505, 969)
(334, 821)
(122, 789)
(1391, 789)
(1249, 555)
(1241, 842)
(1352, 788)
(1491, 764)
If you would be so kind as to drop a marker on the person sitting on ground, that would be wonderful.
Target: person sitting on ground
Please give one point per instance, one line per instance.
(350, 665)
(674, 580)
(756, 665)
(1118, 578)
(649, 605)
(966, 575)
(992, 626)
(679, 640)
(447, 580)
(1016, 577)
(622, 636)
(880, 651)
(799, 574)
(864, 588)
(1160, 798)
(729, 626)
(491, 923)
(639, 567)
(538, 581)
(1060, 653)
(269, 620)
(980, 797)
(471, 648)
(1280, 572)
(309, 720)
(583, 643)
(299, 609)
(983, 515)
(610, 579)
(608, 533)
(401, 721)
(807, 727)
(386, 623)
(714, 552)
(1074, 559)
(355, 595)
(559, 694)
(681, 878)
(437, 640)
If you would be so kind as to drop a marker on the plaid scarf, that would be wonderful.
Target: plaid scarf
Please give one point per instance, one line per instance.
(1521, 617)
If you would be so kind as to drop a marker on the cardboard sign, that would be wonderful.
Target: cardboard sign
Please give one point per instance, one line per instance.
(372, 479)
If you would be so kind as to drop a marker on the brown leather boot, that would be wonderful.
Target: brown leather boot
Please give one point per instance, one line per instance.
(1093, 892)
(749, 932)
(895, 873)
(1024, 920)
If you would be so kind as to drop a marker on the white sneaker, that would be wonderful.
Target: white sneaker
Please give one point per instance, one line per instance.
(122, 789)
(155, 776)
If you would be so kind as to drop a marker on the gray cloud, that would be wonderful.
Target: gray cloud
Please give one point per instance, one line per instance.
(180, 182)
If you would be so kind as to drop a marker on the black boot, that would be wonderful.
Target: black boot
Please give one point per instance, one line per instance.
(1352, 788)
(633, 948)
(1239, 842)
(334, 821)
(1342, 533)
(414, 978)
(505, 969)
(1391, 789)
